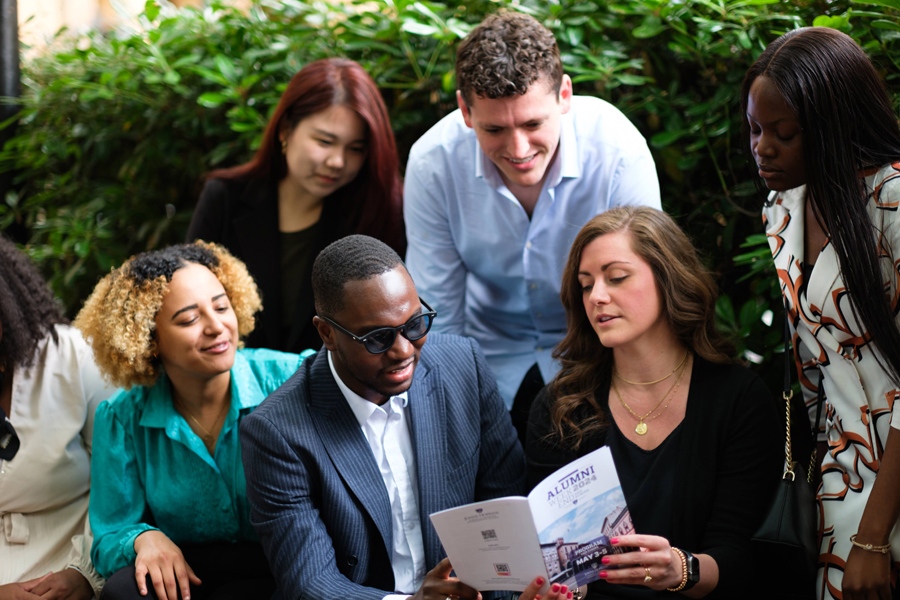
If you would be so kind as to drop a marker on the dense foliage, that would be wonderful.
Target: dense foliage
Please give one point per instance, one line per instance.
(117, 130)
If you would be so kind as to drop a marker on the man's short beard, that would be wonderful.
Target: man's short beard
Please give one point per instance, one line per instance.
(367, 384)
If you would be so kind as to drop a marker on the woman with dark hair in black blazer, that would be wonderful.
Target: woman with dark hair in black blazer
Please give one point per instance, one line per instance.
(327, 167)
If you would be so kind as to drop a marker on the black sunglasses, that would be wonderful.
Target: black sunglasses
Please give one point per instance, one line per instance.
(381, 339)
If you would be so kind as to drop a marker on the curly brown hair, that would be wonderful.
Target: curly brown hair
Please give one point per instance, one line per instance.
(505, 54)
(28, 309)
(118, 318)
(688, 293)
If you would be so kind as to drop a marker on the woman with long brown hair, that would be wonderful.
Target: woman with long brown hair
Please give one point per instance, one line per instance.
(695, 437)
(327, 167)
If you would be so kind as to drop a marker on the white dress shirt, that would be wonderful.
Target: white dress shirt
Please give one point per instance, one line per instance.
(386, 428)
(44, 489)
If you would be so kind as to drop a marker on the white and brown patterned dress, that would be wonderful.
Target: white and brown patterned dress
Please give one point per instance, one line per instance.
(832, 348)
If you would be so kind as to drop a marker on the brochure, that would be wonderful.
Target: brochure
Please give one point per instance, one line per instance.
(560, 531)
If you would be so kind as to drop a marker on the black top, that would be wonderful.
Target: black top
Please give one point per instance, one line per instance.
(242, 215)
(296, 262)
(725, 463)
(647, 478)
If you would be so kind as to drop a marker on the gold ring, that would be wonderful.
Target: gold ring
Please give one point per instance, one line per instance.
(647, 578)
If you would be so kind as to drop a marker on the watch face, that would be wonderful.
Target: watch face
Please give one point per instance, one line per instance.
(693, 564)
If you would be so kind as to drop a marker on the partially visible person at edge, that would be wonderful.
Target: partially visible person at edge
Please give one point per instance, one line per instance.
(826, 141)
(386, 426)
(49, 389)
(326, 167)
(696, 438)
(169, 507)
(497, 190)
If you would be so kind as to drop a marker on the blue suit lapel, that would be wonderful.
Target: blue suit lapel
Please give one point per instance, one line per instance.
(427, 409)
(347, 447)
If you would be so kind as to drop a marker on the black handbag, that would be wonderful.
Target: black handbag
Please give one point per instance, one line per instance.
(787, 538)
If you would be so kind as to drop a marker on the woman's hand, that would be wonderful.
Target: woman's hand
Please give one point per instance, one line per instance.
(68, 584)
(556, 591)
(160, 558)
(867, 575)
(14, 591)
(655, 559)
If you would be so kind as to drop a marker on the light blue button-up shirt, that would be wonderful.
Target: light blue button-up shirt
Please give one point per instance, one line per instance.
(488, 270)
(148, 464)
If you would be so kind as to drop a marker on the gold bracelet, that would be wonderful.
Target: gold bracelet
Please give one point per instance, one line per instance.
(684, 577)
(870, 547)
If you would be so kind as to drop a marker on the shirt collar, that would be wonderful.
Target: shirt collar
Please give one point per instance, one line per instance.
(362, 408)
(159, 410)
(565, 163)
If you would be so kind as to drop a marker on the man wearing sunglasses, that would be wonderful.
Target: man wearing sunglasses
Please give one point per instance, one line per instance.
(346, 461)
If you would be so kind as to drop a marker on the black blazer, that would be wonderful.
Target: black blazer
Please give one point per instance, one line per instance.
(730, 460)
(242, 215)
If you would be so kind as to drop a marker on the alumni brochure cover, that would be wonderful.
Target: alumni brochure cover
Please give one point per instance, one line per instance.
(560, 531)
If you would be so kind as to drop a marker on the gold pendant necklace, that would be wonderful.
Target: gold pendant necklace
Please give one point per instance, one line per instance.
(207, 436)
(641, 428)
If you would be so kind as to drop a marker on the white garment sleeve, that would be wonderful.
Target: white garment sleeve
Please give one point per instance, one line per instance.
(889, 195)
(96, 390)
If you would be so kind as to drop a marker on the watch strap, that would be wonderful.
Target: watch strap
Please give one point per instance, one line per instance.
(692, 564)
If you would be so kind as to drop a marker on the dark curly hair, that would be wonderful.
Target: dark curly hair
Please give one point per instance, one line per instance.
(28, 309)
(352, 258)
(505, 54)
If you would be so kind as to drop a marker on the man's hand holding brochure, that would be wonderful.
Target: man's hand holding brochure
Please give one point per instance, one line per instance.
(561, 531)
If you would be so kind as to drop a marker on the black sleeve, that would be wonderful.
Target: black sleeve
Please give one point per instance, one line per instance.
(748, 470)
(211, 214)
(543, 453)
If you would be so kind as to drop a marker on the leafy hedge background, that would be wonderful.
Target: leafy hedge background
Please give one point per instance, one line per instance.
(117, 129)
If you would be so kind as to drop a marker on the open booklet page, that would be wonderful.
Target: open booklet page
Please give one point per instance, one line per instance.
(561, 531)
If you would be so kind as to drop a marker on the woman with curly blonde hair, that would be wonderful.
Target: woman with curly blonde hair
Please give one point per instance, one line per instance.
(168, 501)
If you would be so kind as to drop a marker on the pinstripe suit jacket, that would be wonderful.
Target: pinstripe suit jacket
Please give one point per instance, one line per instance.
(318, 500)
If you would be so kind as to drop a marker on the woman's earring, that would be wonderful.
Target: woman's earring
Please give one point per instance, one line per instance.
(284, 146)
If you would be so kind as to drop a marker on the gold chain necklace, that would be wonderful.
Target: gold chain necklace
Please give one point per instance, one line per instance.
(207, 436)
(641, 428)
(616, 373)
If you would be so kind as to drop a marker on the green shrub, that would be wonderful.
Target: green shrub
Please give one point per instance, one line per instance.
(116, 131)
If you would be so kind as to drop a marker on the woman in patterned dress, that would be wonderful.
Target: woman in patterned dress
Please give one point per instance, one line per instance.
(827, 144)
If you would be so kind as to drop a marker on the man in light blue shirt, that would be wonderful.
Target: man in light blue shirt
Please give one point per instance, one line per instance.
(496, 192)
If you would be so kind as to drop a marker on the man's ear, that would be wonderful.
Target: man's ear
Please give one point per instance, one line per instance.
(463, 107)
(326, 332)
(565, 94)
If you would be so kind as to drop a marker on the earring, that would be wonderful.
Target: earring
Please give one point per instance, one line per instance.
(284, 146)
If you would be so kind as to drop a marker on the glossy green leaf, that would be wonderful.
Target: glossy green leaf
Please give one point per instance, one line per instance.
(417, 28)
(895, 4)
(212, 99)
(151, 10)
(665, 138)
